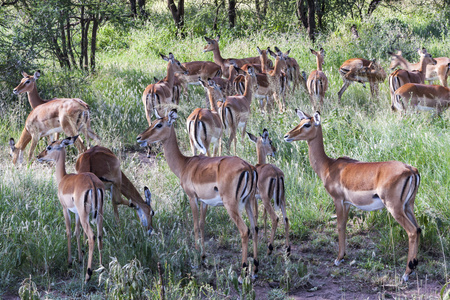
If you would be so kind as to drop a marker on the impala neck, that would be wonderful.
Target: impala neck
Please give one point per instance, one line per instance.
(422, 65)
(170, 74)
(261, 155)
(61, 166)
(319, 63)
(248, 87)
(218, 59)
(263, 61)
(175, 159)
(318, 159)
(277, 68)
(34, 98)
(212, 102)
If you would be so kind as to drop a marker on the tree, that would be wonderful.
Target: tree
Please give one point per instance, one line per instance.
(177, 14)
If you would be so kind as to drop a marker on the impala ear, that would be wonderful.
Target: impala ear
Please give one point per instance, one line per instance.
(148, 195)
(287, 52)
(259, 50)
(218, 38)
(37, 74)
(12, 144)
(273, 54)
(252, 137)
(24, 74)
(164, 57)
(68, 141)
(316, 118)
(171, 57)
(172, 117)
(202, 82)
(157, 114)
(322, 52)
(301, 114)
(312, 51)
(265, 134)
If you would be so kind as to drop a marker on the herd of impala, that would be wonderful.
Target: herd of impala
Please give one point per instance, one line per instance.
(229, 181)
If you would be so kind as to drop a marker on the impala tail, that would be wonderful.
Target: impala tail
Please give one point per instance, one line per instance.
(246, 185)
(394, 84)
(198, 131)
(409, 192)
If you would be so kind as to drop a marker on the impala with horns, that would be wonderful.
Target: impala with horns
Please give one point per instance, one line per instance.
(106, 166)
(366, 185)
(159, 96)
(270, 186)
(224, 63)
(361, 70)
(433, 72)
(216, 181)
(317, 82)
(81, 194)
(401, 77)
(68, 115)
(422, 97)
(205, 125)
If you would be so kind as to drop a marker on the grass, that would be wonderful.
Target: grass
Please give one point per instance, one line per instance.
(32, 234)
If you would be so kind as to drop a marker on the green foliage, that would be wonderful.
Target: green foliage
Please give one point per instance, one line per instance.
(28, 290)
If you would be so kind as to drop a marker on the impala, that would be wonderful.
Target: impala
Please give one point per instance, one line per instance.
(433, 72)
(81, 194)
(205, 125)
(215, 181)
(159, 96)
(226, 84)
(317, 82)
(366, 185)
(68, 115)
(105, 165)
(235, 110)
(270, 186)
(213, 45)
(422, 97)
(400, 77)
(361, 70)
(293, 72)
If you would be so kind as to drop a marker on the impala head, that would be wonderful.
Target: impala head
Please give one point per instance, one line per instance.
(15, 152)
(306, 130)
(159, 130)
(319, 54)
(263, 143)
(176, 65)
(146, 217)
(396, 59)
(52, 151)
(212, 44)
(27, 83)
(426, 57)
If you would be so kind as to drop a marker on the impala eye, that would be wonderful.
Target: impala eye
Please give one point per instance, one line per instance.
(27, 82)
(307, 125)
(159, 125)
(49, 148)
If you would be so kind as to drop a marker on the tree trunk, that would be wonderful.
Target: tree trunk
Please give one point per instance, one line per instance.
(82, 25)
(62, 31)
(216, 16)
(177, 14)
(302, 13)
(133, 8)
(69, 42)
(372, 6)
(95, 24)
(311, 20)
(142, 11)
(232, 13)
(86, 44)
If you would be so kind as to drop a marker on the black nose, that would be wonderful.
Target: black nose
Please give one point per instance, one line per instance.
(286, 136)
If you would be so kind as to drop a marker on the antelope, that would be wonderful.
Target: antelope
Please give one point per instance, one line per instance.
(366, 185)
(270, 186)
(226, 84)
(106, 166)
(235, 110)
(361, 70)
(205, 125)
(81, 194)
(293, 72)
(433, 72)
(68, 115)
(400, 77)
(422, 97)
(213, 45)
(317, 82)
(215, 181)
(159, 95)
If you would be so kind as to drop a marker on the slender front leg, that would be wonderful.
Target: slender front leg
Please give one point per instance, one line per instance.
(343, 88)
(194, 209)
(68, 234)
(204, 208)
(342, 216)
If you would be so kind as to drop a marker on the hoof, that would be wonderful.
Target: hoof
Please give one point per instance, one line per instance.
(337, 262)
(405, 276)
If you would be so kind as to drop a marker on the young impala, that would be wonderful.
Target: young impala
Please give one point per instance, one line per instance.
(81, 194)
(317, 82)
(106, 166)
(68, 115)
(270, 186)
(216, 181)
(366, 185)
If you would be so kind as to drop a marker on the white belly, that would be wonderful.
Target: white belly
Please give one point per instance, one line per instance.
(376, 204)
(425, 108)
(241, 124)
(53, 130)
(213, 202)
(73, 209)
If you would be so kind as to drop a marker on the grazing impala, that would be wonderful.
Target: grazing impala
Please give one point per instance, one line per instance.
(401, 77)
(317, 83)
(235, 110)
(270, 186)
(361, 70)
(68, 115)
(433, 72)
(159, 96)
(422, 97)
(215, 181)
(81, 194)
(213, 45)
(106, 166)
(367, 185)
(205, 125)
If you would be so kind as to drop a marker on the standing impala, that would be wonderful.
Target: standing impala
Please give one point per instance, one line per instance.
(433, 72)
(159, 96)
(68, 115)
(106, 166)
(361, 70)
(270, 186)
(215, 181)
(422, 97)
(317, 83)
(401, 77)
(366, 185)
(81, 194)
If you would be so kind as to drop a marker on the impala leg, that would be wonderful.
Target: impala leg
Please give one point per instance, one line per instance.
(343, 88)
(204, 209)
(286, 222)
(77, 234)
(254, 228)
(194, 209)
(16, 149)
(342, 211)
(100, 230)
(273, 216)
(91, 241)
(70, 130)
(34, 141)
(68, 234)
